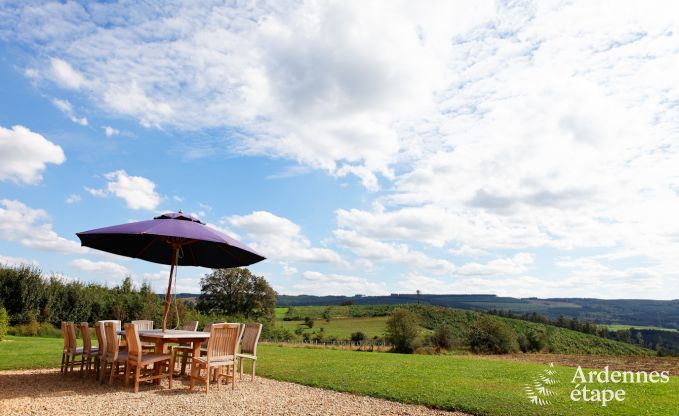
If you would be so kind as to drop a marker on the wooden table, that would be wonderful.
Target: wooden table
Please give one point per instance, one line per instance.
(161, 339)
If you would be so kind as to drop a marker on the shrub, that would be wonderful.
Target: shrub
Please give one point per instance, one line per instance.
(443, 337)
(425, 351)
(534, 340)
(402, 330)
(4, 323)
(492, 336)
(309, 322)
(35, 329)
(358, 337)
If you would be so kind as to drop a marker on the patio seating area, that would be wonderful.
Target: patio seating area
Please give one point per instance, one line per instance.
(139, 354)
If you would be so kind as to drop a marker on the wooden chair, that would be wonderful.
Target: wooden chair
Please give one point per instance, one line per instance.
(118, 324)
(221, 352)
(248, 348)
(64, 353)
(101, 349)
(113, 357)
(145, 325)
(89, 352)
(72, 351)
(138, 361)
(185, 350)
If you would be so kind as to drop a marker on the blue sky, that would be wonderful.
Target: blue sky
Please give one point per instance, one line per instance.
(527, 149)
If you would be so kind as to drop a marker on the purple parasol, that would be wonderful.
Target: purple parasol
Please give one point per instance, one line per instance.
(175, 239)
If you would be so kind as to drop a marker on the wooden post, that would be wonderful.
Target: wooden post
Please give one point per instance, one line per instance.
(169, 285)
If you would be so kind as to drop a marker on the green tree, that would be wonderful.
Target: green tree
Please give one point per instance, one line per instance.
(237, 291)
(402, 330)
(490, 335)
(4, 323)
(358, 337)
(443, 337)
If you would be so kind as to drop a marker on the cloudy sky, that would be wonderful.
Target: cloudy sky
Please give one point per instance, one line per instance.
(522, 149)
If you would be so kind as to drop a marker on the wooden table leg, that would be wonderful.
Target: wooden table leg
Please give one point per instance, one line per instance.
(160, 349)
(195, 353)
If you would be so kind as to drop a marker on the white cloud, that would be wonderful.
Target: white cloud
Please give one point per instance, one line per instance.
(110, 131)
(293, 78)
(24, 155)
(73, 199)
(138, 192)
(316, 283)
(103, 268)
(65, 107)
(371, 249)
(17, 261)
(517, 264)
(64, 74)
(279, 238)
(28, 226)
(503, 126)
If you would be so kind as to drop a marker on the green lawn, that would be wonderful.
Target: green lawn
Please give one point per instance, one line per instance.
(280, 312)
(617, 327)
(473, 384)
(30, 352)
(342, 327)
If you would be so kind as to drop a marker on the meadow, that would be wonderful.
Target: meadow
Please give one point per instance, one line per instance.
(474, 384)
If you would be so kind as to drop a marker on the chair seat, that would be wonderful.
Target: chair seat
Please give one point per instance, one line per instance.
(93, 351)
(77, 351)
(153, 358)
(250, 356)
(122, 356)
(220, 361)
(182, 348)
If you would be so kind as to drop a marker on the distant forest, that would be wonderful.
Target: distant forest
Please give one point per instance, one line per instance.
(635, 312)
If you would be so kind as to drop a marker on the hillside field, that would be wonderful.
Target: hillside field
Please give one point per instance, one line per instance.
(371, 320)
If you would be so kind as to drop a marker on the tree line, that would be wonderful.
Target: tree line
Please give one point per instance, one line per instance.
(30, 298)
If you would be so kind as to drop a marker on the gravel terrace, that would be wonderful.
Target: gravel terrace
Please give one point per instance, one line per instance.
(39, 392)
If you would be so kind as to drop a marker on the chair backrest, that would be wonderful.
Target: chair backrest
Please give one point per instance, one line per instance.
(223, 341)
(85, 334)
(72, 340)
(251, 338)
(206, 328)
(64, 333)
(101, 337)
(112, 341)
(143, 325)
(117, 323)
(133, 342)
(190, 326)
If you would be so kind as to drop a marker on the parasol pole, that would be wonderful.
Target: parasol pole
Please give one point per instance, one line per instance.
(169, 284)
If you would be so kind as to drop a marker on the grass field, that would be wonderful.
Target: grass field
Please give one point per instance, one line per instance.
(617, 327)
(342, 328)
(30, 352)
(280, 312)
(473, 384)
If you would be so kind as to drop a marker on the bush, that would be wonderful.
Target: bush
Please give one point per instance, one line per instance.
(34, 329)
(358, 337)
(534, 340)
(4, 323)
(425, 351)
(492, 336)
(309, 322)
(402, 330)
(443, 337)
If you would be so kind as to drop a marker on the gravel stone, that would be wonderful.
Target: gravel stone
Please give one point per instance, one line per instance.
(46, 392)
